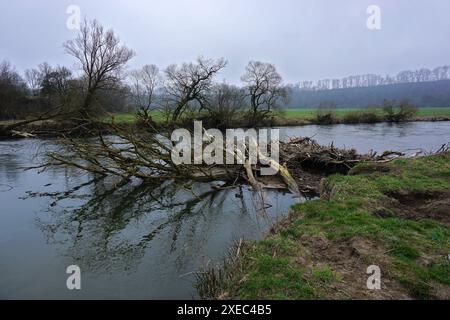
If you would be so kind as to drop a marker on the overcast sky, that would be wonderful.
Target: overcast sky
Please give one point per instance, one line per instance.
(305, 39)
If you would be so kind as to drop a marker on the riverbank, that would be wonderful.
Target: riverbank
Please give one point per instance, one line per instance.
(55, 129)
(50, 128)
(394, 216)
(351, 119)
(305, 113)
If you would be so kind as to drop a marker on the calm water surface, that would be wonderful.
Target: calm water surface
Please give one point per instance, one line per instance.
(142, 241)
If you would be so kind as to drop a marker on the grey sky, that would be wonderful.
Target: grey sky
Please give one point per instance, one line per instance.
(306, 39)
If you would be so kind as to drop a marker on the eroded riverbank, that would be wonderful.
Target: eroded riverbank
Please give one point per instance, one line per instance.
(393, 216)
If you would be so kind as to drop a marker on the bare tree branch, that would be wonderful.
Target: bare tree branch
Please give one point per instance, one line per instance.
(101, 57)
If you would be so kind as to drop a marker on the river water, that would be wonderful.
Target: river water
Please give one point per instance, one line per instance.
(142, 242)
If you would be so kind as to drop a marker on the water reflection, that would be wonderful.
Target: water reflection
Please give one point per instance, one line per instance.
(181, 227)
(9, 164)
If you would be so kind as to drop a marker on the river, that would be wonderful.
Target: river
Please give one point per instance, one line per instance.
(142, 242)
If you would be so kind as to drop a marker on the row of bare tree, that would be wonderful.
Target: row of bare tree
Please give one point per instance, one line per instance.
(190, 88)
(179, 91)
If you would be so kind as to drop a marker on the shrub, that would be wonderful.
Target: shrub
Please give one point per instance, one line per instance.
(326, 113)
(363, 116)
(352, 117)
(395, 112)
(407, 110)
(369, 116)
(325, 117)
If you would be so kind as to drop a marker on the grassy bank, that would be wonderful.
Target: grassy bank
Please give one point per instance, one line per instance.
(395, 216)
(291, 116)
(306, 116)
(310, 114)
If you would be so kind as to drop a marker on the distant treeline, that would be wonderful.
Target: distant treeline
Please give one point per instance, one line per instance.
(422, 94)
(372, 80)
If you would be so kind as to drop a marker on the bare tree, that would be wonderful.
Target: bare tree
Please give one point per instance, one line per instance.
(190, 83)
(102, 58)
(144, 85)
(225, 105)
(33, 79)
(12, 90)
(15, 104)
(55, 85)
(8, 74)
(265, 88)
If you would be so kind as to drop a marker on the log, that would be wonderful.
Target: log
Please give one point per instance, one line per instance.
(22, 134)
(284, 172)
(251, 178)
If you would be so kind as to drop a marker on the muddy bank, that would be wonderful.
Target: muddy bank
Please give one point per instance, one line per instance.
(420, 205)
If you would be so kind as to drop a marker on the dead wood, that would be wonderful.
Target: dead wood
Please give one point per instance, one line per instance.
(145, 154)
(304, 153)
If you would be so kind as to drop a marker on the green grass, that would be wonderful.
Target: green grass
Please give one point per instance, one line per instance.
(286, 266)
(310, 114)
(130, 117)
(430, 112)
(305, 114)
(122, 118)
(323, 274)
(300, 113)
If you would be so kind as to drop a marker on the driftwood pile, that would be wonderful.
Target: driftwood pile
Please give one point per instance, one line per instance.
(311, 156)
(308, 161)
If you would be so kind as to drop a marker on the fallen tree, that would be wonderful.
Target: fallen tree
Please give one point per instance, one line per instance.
(144, 153)
(14, 129)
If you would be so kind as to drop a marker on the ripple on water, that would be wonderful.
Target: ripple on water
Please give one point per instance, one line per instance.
(5, 188)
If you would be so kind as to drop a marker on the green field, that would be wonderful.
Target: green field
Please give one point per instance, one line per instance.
(131, 117)
(432, 112)
(299, 113)
(310, 113)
